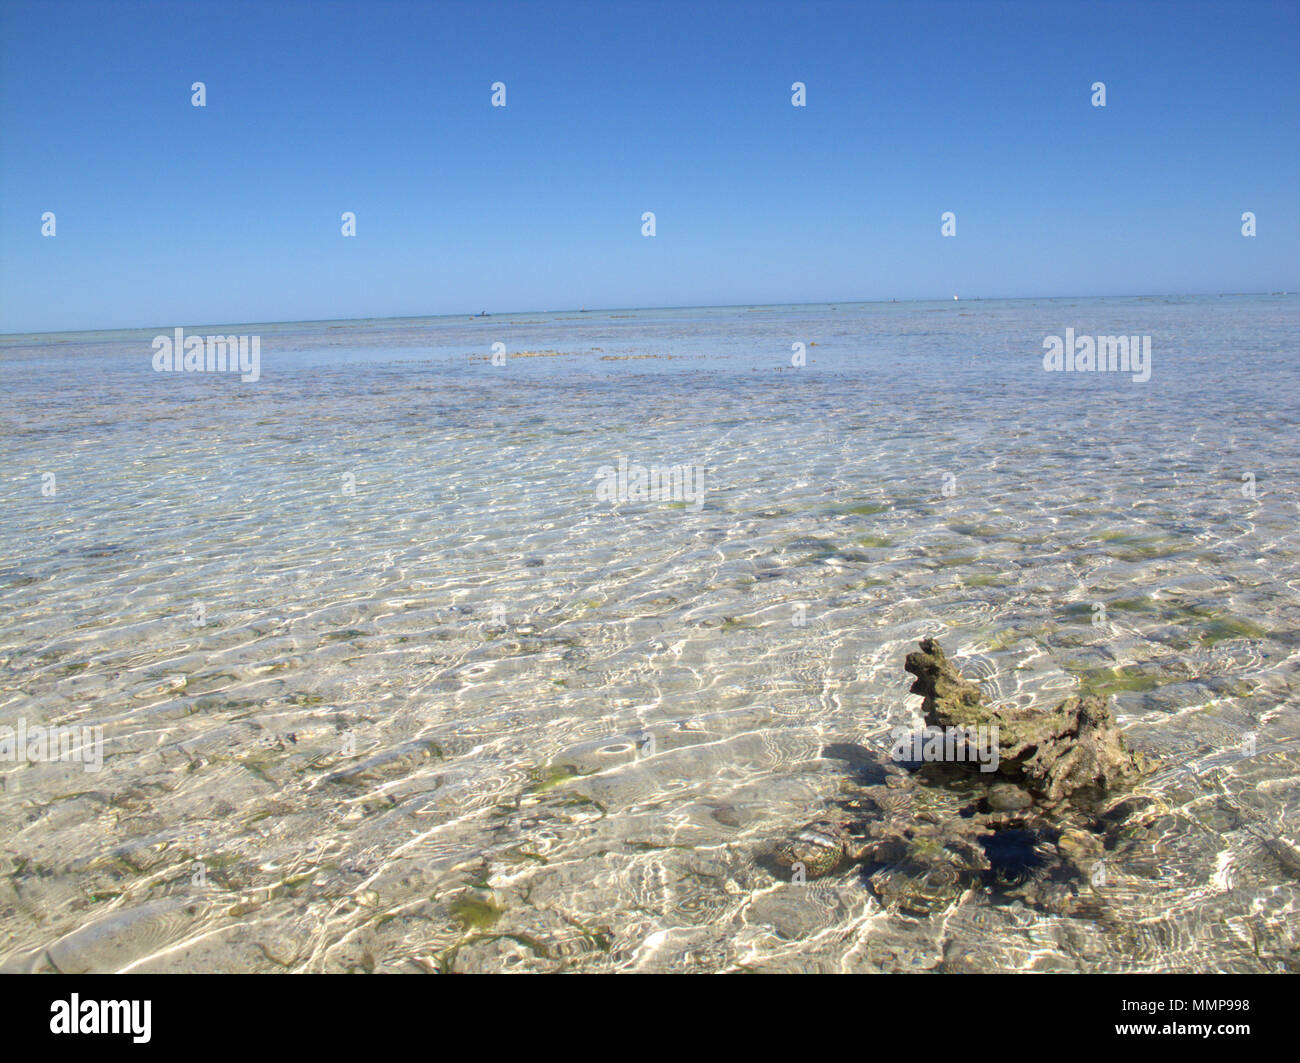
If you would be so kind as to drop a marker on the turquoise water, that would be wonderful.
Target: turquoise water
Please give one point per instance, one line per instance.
(385, 683)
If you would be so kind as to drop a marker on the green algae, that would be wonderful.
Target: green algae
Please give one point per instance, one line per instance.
(1134, 605)
(1002, 640)
(977, 531)
(475, 913)
(520, 856)
(950, 561)
(548, 778)
(1128, 547)
(1103, 682)
(1222, 629)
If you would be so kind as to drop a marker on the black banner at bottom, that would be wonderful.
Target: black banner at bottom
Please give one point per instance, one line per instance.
(340, 1012)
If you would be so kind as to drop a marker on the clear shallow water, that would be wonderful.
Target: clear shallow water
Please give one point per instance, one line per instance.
(471, 717)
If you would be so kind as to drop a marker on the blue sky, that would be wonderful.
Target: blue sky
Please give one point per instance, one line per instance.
(168, 214)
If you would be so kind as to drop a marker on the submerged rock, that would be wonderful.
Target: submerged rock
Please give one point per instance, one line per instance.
(926, 838)
(1075, 746)
(1007, 797)
(815, 850)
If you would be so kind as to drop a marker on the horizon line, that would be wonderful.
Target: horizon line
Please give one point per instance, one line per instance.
(610, 309)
